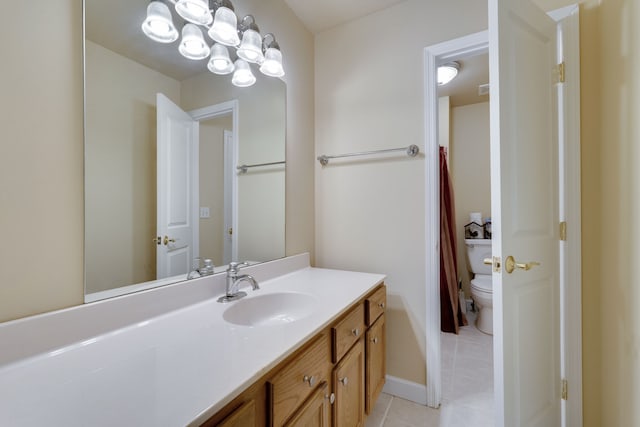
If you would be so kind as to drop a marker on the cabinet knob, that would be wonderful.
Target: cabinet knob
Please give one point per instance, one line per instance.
(331, 398)
(355, 332)
(309, 379)
(374, 340)
(344, 381)
(381, 305)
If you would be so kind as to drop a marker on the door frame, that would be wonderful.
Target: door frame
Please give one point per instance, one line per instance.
(433, 57)
(570, 205)
(211, 112)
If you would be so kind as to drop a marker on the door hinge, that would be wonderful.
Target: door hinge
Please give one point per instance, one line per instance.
(565, 387)
(563, 230)
(559, 75)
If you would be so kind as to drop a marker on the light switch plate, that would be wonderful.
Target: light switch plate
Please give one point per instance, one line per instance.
(205, 212)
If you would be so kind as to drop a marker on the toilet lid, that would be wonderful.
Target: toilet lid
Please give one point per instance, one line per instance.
(482, 282)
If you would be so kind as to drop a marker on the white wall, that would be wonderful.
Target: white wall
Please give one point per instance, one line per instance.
(470, 171)
(370, 214)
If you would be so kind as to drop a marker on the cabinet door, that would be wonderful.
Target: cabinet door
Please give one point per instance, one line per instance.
(348, 383)
(293, 384)
(315, 411)
(244, 416)
(375, 362)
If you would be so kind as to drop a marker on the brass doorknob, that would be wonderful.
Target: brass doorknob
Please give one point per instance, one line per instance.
(167, 240)
(511, 264)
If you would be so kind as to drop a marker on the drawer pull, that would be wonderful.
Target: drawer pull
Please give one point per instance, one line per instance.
(374, 340)
(309, 379)
(331, 398)
(381, 305)
(344, 381)
(355, 332)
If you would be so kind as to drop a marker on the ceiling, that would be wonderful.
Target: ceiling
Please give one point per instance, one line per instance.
(127, 39)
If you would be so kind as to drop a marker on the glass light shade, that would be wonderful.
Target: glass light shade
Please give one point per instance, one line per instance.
(447, 72)
(192, 45)
(225, 27)
(220, 63)
(158, 25)
(242, 76)
(195, 11)
(272, 65)
(251, 47)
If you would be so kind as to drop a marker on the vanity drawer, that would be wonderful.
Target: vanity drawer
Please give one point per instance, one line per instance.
(347, 331)
(291, 386)
(376, 304)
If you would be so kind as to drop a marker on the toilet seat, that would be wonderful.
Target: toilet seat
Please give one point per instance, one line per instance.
(483, 283)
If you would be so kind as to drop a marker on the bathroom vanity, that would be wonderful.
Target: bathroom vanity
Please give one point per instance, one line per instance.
(307, 348)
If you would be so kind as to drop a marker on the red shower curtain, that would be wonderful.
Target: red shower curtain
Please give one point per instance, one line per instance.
(451, 315)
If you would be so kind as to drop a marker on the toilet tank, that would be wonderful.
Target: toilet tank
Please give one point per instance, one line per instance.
(477, 251)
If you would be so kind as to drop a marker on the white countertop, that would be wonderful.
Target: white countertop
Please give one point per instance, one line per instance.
(170, 370)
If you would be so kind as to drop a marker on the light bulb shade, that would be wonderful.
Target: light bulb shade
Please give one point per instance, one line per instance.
(195, 11)
(251, 47)
(447, 72)
(272, 65)
(192, 45)
(242, 76)
(158, 25)
(219, 62)
(225, 27)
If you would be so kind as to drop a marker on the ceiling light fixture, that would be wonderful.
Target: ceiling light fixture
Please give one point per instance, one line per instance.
(447, 72)
(221, 25)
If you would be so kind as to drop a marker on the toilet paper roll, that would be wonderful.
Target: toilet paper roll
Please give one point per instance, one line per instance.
(475, 217)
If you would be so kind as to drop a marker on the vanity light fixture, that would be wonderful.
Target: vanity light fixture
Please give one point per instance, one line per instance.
(218, 19)
(447, 72)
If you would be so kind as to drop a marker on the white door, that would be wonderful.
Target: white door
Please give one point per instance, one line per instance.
(230, 185)
(524, 189)
(177, 182)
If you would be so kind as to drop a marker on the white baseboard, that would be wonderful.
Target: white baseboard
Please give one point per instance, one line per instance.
(406, 389)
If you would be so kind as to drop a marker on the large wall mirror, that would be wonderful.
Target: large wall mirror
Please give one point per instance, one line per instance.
(165, 141)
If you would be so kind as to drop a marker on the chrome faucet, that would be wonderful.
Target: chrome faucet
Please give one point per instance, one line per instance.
(199, 271)
(233, 280)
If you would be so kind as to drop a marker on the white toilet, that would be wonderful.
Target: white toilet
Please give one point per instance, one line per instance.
(481, 284)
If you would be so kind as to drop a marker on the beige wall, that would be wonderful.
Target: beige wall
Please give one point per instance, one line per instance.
(120, 168)
(470, 170)
(41, 184)
(41, 167)
(610, 91)
(370, 214)
(212, 187)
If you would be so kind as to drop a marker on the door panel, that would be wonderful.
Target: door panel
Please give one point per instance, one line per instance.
(524, 186)
(177, 182)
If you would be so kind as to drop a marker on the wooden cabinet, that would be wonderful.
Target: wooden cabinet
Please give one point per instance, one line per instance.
(315, 411)
(295, 382)
(347, 331)
(375, 349)
(331, 380)
(376, 304)
(349, 383)
(244, 416)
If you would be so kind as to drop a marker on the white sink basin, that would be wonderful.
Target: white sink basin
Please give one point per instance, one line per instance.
(270, 309)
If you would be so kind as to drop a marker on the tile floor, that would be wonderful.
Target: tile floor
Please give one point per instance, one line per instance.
(467, 387)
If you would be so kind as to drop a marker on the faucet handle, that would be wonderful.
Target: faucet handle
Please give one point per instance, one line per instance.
(235, 266)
